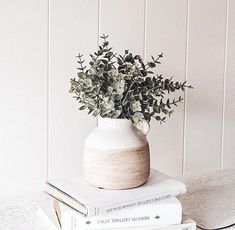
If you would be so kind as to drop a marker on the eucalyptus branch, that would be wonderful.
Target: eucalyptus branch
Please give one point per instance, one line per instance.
(122, 86)
(177, 101)
(80, 61)
(129, 88)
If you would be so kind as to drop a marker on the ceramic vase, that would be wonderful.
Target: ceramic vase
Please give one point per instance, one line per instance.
(116, 154)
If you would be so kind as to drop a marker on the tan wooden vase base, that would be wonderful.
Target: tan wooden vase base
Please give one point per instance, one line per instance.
(116, 155)
(117, 169)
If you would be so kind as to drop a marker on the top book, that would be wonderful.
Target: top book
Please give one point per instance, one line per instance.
(92, 201)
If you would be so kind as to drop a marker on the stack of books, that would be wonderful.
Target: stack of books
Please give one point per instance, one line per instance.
(76, 205)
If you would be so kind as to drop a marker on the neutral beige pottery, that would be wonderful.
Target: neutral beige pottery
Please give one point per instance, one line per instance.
(116, 155)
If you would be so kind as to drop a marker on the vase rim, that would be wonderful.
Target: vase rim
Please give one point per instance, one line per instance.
(111, 122)
(110, 118)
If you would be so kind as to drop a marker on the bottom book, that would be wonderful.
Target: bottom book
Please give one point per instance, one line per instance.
(159, 214)
(51, 219)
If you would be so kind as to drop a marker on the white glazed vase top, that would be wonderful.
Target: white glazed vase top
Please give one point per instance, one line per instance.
(116, 155)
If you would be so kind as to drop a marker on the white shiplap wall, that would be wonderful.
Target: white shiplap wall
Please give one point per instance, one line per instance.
(228, 157)
(205, 69)
(197, 38)
(73, 28)
(23, 96)
(166, 141)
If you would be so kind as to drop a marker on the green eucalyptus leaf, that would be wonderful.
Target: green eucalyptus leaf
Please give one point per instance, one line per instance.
(151, 64)
(82, 107)
(136, 106)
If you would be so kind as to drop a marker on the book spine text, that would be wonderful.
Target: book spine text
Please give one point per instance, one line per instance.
(152, 215)
(135, 203)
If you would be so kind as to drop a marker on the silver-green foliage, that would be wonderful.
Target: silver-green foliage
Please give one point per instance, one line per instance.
(123, 86)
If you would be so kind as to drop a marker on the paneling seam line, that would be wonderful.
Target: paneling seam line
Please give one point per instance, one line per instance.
(98, 24)
(185, 92)
(224, 85)
(48, 92)
(145, 30)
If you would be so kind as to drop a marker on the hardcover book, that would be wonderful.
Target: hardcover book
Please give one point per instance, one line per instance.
(48, 216)
(159, 214)
(92, 201)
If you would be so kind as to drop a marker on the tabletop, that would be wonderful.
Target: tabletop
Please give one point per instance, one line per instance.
(210, 201)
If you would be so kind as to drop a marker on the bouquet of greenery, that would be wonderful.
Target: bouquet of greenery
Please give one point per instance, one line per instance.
(123, 86)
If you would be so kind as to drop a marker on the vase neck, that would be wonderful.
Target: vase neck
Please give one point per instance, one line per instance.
(118, 123)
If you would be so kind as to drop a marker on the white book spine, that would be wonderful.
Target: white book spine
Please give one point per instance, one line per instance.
(97, 211)
(157, 215)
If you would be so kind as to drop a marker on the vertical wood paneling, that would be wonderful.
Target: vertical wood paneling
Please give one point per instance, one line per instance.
(166, 32)
(123, 20)
(229, 118)
(22, 97)
(207, 20)
(73, 29)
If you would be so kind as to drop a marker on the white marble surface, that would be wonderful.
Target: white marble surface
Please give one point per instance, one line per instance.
(210, 201)
(20, 213)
